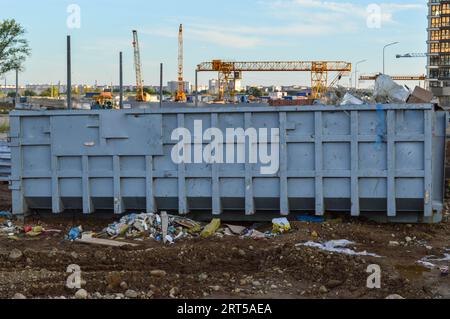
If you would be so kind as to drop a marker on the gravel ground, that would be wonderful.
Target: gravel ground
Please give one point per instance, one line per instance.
(228, 267)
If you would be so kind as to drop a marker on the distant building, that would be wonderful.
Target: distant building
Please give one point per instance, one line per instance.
(439, 49)
(213, 87)
(172, 87)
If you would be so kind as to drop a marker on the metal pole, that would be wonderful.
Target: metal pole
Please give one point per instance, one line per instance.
(384, 55)
(196, 88)
(69, 75)
(121, 81)
(161, 79)
(17, 87)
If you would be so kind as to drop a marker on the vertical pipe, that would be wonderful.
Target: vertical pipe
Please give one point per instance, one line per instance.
(17, 87)
(196, 88)
(161, 79)
(69, 75)
(121, 80)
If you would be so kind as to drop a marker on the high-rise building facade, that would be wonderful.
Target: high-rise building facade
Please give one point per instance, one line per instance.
(439, 49)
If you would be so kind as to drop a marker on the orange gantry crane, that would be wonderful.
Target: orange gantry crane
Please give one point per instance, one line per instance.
(229, 72)
(181, 95)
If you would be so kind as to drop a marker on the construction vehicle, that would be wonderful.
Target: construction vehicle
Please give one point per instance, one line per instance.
(181, 95)
(103, 100)
(141, 96)
(229, 72)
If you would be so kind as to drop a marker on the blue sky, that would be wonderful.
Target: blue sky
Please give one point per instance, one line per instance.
(232, 29)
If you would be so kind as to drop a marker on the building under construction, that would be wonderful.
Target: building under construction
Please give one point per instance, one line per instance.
(439, 49)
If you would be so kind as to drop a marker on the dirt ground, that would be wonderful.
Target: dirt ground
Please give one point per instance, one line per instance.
(228, 267)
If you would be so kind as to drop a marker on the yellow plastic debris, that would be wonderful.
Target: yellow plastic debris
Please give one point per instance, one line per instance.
(280, 225)
(211, 228)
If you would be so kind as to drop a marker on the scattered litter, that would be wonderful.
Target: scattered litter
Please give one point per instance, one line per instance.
(75, 233)
(430, 261)
(386, 90)
(162, 228)
(281, 225)
(444, 271)
(337, 246)
(310, 219)
(257, 235)
(350, 100)
(211, 228)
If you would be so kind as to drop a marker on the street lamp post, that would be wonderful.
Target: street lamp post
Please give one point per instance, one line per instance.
(384, 55)
(356, 72)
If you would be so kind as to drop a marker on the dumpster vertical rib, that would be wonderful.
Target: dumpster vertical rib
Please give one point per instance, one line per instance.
(87, 202)
(118, 202)
(182, 200)
(284, 196)
(56, 194)
(428, 195)
(149, 186)
(17, 187)
(215, 179)
(249, 199)
(391, 178)
(355, 163)
(319, 164)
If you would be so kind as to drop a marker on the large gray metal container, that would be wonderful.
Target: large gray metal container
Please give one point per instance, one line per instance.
(385, 160)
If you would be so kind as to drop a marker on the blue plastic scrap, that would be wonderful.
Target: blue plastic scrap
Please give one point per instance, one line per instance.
(310, 219)
(5, 214)
(74, 233)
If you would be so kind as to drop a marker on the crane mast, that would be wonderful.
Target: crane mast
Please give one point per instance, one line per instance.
(181, 96)
(140, 97)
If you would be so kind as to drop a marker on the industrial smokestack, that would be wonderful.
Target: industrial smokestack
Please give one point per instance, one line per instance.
(121, 80)
(69, 75)
(161, 85)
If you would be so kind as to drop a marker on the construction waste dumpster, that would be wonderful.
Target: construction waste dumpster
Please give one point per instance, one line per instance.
(239, 161)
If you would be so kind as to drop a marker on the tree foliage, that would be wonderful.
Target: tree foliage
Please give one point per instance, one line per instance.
(14, 48)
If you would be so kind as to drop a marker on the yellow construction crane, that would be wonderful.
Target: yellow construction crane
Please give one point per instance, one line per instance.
(141, 96)
(229, 72)
(181, 95)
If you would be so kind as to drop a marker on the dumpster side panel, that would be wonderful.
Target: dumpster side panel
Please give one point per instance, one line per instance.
(358, 159)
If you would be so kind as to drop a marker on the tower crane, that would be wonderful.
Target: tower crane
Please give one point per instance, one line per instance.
(181, 95)
(412, 55)
(320, 73)
(141, 96)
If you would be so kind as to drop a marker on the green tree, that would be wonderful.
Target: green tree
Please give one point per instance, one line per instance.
(14, 48)
(29, 93)
(150, 91)
(46, 93)
(255, 92)
(11, 94)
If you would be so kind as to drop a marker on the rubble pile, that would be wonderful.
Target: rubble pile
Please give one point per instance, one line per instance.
(385, 91)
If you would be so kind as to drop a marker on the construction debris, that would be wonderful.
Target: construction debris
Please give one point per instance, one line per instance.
(88, 238)
(386, 90)
(350, 100)
(211, 228)
(420, 95)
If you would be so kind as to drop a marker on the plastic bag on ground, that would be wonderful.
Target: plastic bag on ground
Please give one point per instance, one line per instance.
(386, 88)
